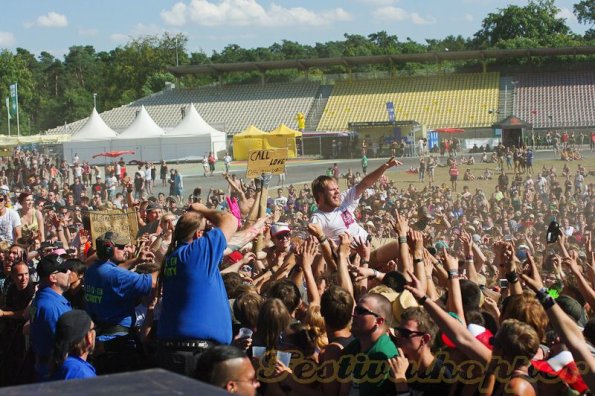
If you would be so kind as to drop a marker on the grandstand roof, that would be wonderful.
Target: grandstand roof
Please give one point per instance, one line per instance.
(303, 64)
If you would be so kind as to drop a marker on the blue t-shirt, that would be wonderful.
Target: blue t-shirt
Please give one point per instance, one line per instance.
(46, 309)
(111, 293)
(195, 304)
(74, 367)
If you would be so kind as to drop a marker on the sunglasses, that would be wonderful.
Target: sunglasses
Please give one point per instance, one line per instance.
(1, 199)
(360, 311)
(406, 333)
(284, 235)
(119, 246)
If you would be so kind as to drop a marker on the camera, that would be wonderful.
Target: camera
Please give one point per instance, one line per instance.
(553, 231)
(503, 283)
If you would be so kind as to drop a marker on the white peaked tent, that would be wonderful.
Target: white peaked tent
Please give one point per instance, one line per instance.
(93, 138)
(142, 136)
(192, 137)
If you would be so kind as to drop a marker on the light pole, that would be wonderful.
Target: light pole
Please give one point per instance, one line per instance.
(95, 101)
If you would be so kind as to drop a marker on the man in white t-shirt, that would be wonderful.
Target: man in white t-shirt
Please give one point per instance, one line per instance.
(10, 221)
(335, 210)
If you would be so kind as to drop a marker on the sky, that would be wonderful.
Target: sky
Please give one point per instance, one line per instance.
(55, 25)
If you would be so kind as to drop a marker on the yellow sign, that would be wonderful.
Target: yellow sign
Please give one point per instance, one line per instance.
(122, 222)
(266, 161)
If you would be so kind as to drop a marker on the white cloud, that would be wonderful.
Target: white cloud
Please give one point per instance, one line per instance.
(6, 39)
(176, 16)
(249, 13)
(51, 20)
(565, 13)
(400, 14)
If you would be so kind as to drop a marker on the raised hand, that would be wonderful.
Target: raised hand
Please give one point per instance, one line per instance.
(400, 225)
(532, 277)
(362, 247)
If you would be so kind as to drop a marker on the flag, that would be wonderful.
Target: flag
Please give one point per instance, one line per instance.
(14, 105)
(8, 107)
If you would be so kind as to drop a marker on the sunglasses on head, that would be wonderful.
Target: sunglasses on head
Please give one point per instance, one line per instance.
(360, 311)
(406, 333)
(120, 246)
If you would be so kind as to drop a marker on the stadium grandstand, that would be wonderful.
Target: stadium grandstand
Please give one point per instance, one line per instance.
(474, 101)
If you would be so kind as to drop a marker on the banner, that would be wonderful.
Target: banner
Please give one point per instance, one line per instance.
(14, 100)
(390, 108)
(8, 108)
(266, 161)
(122, 222)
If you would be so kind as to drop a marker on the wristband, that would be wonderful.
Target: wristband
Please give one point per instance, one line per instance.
(375, 273)
(422, 300)
(453, 274)
(402, 239)
(512, 277)
(548, 303)
(363, 262)
(418, 260)
(542, 294)
(322, 239)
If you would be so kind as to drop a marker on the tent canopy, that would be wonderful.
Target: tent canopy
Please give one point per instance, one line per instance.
(193, 124)
(284, 130)
(283, 137)
(250, 132)
(94, 129)
(251, 138)
(143, 127)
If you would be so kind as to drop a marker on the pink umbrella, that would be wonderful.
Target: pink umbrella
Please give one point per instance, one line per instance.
(114, 154)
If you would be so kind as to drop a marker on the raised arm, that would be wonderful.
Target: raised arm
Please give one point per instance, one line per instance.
(564, 326)
(455, 330)
(225, 221)
(372, 177)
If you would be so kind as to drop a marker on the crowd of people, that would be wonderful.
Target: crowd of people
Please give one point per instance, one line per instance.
(351, 284)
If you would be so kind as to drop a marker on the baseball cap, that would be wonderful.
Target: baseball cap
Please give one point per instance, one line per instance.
(279, 228)
(114, 237)
(153, 206)
(71, 327)
(50, 264)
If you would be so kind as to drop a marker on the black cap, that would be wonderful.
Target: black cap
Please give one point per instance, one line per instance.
(50, 264)
(71, 328)
(114, 237)
(153, 206)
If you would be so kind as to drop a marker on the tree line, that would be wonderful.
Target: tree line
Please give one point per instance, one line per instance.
(55, 91)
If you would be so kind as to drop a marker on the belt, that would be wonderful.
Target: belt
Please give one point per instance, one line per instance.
(188, 344)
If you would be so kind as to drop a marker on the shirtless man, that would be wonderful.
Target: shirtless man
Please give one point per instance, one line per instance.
(246, 195)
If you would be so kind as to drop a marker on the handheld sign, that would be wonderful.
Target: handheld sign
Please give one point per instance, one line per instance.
(266, 161)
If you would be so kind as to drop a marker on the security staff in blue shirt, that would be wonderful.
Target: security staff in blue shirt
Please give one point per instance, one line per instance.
(46, 309)
(111, 293)
(195, 311)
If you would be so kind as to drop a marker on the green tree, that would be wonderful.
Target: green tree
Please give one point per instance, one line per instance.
(537, 20)
(585, 13)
